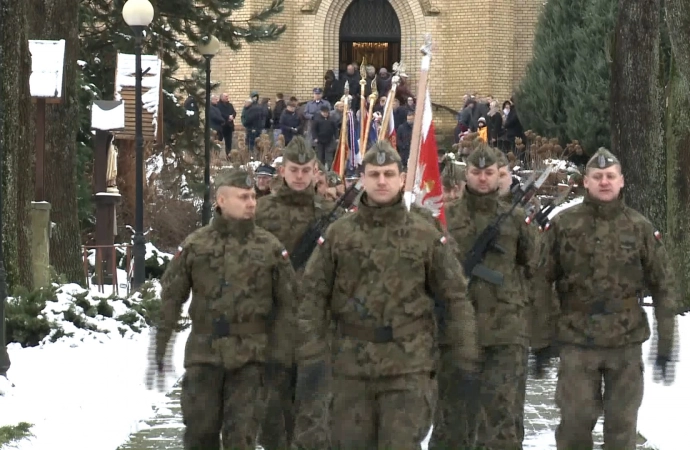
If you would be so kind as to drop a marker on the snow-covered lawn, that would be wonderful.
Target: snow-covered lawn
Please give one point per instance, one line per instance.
(86, 391)
(664, 412)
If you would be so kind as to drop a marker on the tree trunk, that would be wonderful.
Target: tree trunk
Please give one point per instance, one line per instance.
(17, 135)
(677, 144)
(678, 19)
(57, 20)
(636, 133)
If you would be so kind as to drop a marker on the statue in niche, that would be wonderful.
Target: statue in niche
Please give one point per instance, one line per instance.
(111, 170)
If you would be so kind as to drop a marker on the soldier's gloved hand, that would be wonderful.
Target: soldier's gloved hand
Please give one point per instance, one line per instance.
(310, 376)
(542, 359)
(664, 370)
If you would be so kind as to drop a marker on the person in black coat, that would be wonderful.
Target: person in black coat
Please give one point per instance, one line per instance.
(216, 118)
(325, 133)
(404, 138)
(227, 111)
(290, 121)
(277, 112)
(332, 88)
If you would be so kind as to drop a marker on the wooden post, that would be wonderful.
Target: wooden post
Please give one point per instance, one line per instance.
(40, 146)
(106, 116)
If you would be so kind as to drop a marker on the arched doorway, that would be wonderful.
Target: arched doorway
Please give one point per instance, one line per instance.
(371, 29)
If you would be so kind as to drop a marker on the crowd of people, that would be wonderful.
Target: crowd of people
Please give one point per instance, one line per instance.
(320, 119)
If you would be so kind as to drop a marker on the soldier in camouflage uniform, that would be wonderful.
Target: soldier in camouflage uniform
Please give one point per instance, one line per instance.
(453, 179)
(487, 412)
(540, 292)
(504, 177)
(373, 274)
(242, 285)
(604, 257)
(287, 214)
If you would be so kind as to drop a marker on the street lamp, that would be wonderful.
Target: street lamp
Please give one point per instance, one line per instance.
(138, 14)
(4, 357)
(208, 48)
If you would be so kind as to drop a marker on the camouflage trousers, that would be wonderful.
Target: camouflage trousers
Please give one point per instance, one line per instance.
(277, 428)
(312, 416)
(219, 402)
(579, 396)
(483, 411)
(387, 413)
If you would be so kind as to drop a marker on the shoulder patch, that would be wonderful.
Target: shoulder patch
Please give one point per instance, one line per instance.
(320, 240)
(285, 254)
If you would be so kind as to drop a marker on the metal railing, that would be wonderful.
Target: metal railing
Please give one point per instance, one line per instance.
(105, 265)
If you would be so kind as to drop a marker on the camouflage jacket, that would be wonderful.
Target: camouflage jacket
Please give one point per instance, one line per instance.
(374, 274)
(543, 302)
(603, 258)
(542, 299)
(287, 214)
(426, 215)
(502, 311)
(237, 272)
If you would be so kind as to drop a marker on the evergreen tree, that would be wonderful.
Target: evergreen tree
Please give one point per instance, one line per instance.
(540, 98)
(177, 27)
(588, 79)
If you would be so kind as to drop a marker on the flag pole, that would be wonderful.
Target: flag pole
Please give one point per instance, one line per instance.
(372, 99)
(362, 100)
(342, 143)
(412, 162)
(398, 68)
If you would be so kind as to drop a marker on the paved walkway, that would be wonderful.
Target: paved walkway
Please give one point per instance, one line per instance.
(164, 432)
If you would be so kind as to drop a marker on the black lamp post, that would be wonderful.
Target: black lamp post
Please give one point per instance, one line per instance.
(208, 48)
(138, 14)
(4, 357)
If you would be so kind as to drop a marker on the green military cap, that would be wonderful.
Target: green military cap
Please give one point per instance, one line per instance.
(381, 154)
(239, 178)
(501, 158)
(333, 179)
(602, 159)
(482, 157)
(298, 152)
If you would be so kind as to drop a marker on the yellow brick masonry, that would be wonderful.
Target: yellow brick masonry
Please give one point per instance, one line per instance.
(480, 46)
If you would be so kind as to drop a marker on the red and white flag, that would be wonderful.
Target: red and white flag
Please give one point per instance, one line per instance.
(428, 187)
(391, 136)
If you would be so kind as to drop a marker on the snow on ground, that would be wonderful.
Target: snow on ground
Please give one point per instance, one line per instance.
(86, 391)
(664, 412)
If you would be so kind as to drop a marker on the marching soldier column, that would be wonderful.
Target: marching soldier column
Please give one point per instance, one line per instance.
(316, 329)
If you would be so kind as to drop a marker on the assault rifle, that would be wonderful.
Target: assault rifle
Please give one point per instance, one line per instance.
(473, 263)
(307, 243)
(541, 216)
